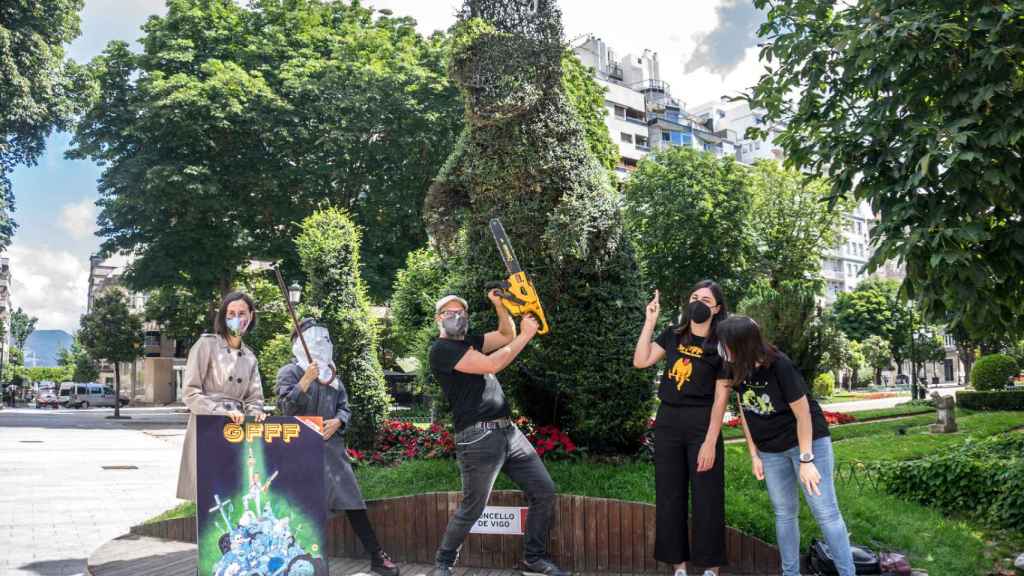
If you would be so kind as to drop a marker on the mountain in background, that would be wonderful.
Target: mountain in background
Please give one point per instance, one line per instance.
(42, 347)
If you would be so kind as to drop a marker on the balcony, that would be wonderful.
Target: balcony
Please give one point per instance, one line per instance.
(615, 71)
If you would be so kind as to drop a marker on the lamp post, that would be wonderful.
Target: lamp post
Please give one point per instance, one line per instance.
(294, 293)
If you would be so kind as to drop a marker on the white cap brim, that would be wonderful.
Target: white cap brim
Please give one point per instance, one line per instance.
(443, 301)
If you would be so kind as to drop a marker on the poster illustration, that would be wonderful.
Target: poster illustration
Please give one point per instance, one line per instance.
(260, 497)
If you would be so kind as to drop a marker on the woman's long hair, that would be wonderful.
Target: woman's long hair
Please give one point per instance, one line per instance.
(220, 325)
(742, 338)
(683, 329)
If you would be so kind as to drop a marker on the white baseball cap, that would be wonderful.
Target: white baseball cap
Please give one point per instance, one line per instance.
(441, 303)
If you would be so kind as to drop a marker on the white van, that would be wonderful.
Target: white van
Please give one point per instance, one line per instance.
(77, 395)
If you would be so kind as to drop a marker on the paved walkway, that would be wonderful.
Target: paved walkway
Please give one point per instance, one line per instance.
(859, 405)
(144, 556)
(64, 494)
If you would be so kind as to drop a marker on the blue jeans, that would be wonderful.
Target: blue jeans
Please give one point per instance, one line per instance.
(782, 475)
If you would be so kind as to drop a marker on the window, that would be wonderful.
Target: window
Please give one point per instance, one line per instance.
(666, 137)
(95, 390)
(757, 145)
(860, 227)
(947, 369)
(620, 112)
(641, 141)
(108, 391)
(625, 137)
(635, 115)
(83, 390)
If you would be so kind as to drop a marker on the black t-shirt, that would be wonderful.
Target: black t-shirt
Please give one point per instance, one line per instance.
(473, 397)
(765, 396)
(691, 370)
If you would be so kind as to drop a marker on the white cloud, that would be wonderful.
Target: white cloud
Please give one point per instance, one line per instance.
(51, 285)
(668, 27)
(79, 219)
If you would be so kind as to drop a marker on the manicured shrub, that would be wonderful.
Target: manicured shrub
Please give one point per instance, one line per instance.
(824, 385)
(991, 400)
(993, 372)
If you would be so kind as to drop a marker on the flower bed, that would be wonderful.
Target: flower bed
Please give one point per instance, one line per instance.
(399, 441)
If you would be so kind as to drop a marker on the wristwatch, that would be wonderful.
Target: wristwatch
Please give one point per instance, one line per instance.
(806, 458)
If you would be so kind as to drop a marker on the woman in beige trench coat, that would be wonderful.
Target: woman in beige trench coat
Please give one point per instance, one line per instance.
(221, 377)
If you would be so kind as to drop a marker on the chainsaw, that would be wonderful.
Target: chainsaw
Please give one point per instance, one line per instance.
(517, 293)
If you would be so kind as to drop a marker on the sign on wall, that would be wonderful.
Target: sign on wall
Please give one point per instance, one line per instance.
(501, 520)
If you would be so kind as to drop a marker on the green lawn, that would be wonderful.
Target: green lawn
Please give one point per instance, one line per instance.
(935, 541)
(862, 416)
(858, 397)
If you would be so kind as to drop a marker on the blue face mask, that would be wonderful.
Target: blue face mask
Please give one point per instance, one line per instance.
(237, 325)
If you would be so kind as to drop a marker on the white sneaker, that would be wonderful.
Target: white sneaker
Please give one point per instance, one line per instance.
(709, 573)
(680, 573)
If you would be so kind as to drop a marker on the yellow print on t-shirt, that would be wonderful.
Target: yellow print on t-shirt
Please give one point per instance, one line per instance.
(683, 367)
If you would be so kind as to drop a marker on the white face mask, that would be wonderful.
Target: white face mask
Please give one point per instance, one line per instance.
(321, 348)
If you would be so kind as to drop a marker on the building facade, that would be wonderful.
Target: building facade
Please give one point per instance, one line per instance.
(155, 377)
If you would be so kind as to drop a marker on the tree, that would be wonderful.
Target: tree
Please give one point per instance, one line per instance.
(110, 331)
(928, 347)
(417, 287)
(328, 248)
(915, 108)
(876, 355)
(22, 326)
(234, 124)
(523, 157)
(33, 93)
(791, 222)
(874, 309)
(77, 361)
(838, 356)
(688, 212)
(791, 319)
(180, 313)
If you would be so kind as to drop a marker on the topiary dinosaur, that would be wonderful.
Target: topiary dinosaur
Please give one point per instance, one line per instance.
(522, 157)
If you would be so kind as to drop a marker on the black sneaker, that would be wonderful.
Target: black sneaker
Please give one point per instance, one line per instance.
(542, 567)
(380, 563)
(443, 570)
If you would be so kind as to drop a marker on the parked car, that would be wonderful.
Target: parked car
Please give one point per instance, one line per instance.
(85, 395)
(47, 399)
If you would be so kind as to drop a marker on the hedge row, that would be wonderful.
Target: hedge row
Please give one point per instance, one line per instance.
(991, 400)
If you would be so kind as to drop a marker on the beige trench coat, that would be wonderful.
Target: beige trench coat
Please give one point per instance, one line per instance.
(217, 379)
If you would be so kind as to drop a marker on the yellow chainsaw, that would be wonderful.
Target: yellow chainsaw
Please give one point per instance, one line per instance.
(518, 294)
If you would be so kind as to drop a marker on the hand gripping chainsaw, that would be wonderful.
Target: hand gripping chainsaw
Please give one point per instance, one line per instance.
(517, 293)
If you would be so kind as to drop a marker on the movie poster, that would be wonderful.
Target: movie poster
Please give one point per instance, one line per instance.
(260, 497)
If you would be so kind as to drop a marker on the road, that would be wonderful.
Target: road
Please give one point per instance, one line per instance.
(859, 405)
(73, 479)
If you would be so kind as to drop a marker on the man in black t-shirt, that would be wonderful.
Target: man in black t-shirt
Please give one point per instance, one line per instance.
(486, 440)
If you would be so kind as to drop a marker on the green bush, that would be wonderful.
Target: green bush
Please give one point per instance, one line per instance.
(524, 158)
(824, 385)
(276, 353)
(417, 287)
(984, 478)
(991, 400)
(328, 248)
(993, 372)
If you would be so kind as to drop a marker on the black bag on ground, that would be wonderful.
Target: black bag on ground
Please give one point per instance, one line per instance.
(864, 560)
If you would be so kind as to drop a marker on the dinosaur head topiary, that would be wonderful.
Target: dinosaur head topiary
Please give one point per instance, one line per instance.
(507, 56)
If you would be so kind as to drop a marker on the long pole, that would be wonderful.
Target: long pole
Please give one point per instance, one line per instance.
(291, 310)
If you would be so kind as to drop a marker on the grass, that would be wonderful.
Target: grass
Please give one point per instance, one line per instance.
(729, 432)
(861, 396)
(935, 541)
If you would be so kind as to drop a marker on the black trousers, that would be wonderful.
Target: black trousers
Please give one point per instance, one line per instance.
(364, 531)
(678, 435)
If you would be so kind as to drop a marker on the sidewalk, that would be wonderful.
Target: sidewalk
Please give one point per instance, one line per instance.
(59, 503)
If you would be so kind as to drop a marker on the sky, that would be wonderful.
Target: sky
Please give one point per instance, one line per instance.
(707, 49)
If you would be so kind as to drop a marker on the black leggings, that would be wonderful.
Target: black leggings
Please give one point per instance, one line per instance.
(361, 525)
(677, 440)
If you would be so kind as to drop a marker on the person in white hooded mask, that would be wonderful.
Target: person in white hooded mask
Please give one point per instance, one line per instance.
(313, 388)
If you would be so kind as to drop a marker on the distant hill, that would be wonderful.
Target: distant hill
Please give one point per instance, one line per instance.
(42, 347)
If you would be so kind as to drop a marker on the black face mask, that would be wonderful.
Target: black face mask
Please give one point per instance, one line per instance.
(698, 311)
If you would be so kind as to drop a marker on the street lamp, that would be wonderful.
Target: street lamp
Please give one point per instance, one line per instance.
(294, 293)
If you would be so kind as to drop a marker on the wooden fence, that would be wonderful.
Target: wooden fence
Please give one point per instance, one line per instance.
(587, 535)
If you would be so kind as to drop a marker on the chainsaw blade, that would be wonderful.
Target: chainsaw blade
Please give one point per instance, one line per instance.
(508, 256)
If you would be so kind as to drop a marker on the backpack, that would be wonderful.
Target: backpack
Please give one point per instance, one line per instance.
(864, 560)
